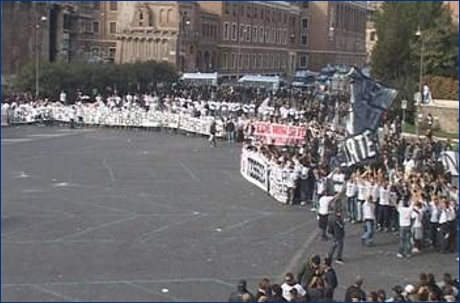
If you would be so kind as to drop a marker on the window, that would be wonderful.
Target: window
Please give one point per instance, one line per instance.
(303, 61)
(272, 61)
(253, 61)
(112, 27)
(279, 36)
(241, 10)
(240, 61)
(226, 31)
(267, 34)
(248, 12)
(254, 34)
(262, 14)
(284, 36)
(113, 5)
(112, 52)
(273, 38)
(96, 27)
(242, 32)
(96, 5)
(304, 40)
(261, 34)
(227, 7)
(255, 12)
(246, 61)
(248, 33)
(305, 4)
(203, 30)
(266, 62)
(88, 27)
(162, 16)
(372, 36)
(233, 60)
(234, 31)
(277, 61)
(224, 60)
(285, 18)
(259, 61)
(305, 23)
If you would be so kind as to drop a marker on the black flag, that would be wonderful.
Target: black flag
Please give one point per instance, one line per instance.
(369, 100)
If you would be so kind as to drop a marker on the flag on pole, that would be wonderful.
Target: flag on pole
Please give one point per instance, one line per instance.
(369, 100)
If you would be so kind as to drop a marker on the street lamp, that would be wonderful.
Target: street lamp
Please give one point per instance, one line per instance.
(239, 54)
(182, 48)
(420, 88)
(38, 21)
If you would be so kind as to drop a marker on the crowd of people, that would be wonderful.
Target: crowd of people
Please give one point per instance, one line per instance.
(318, 281)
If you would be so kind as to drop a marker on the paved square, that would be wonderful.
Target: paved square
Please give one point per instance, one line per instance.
(115, 215)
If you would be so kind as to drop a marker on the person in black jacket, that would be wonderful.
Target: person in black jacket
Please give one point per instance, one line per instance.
(212, 134)
(337, 230)
(330, 277)
(241, 290)
(355, 291)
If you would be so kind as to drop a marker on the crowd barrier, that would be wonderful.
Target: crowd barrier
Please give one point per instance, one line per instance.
(272, 179)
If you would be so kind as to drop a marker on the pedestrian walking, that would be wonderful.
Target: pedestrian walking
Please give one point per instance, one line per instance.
(337, 230)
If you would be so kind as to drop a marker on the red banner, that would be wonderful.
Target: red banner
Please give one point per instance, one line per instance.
(279, 134)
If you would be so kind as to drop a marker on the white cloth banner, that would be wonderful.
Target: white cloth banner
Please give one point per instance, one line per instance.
(255, 169)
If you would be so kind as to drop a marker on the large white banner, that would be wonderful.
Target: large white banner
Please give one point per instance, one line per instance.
(255, 169)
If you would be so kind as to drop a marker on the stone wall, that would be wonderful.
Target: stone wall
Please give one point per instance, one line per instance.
(445, 112)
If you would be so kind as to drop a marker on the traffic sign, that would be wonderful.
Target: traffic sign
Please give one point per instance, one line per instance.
(404, 104)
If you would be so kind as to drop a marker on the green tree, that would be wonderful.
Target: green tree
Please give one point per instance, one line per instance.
(395, 59)
(86, 78)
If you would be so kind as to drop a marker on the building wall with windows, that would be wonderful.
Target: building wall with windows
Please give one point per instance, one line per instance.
(259, 37)
(65, 34)
(338, 33)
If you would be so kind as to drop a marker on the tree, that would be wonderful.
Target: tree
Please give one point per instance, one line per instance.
(395, 59)
(77, 77)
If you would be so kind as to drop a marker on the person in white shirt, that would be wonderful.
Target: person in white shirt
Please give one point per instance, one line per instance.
(303, 178)
(291, 181)
(350, 193)
(369, 221)
(325, 204)
(289, 284)
(362, 194)
(417, 228)
(338, 180)
(384, 209)
(320, 188)
(405, 215)
(435, 212)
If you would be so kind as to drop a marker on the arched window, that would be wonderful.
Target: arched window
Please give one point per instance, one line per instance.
(162, 17)
(169, 16)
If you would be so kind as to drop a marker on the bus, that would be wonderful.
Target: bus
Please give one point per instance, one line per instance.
(304, 79)
(272, 83)
(200, 79)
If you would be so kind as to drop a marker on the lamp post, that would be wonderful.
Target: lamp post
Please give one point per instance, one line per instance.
(38, 21)
(239, 54)
(182, 48)
(420, 88)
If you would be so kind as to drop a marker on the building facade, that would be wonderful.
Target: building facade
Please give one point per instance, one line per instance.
(338, 33)
(371, 32)
(53, 31)
(259, 37)
(25, 35)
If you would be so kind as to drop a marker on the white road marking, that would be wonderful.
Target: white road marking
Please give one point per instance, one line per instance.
(191, 174)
